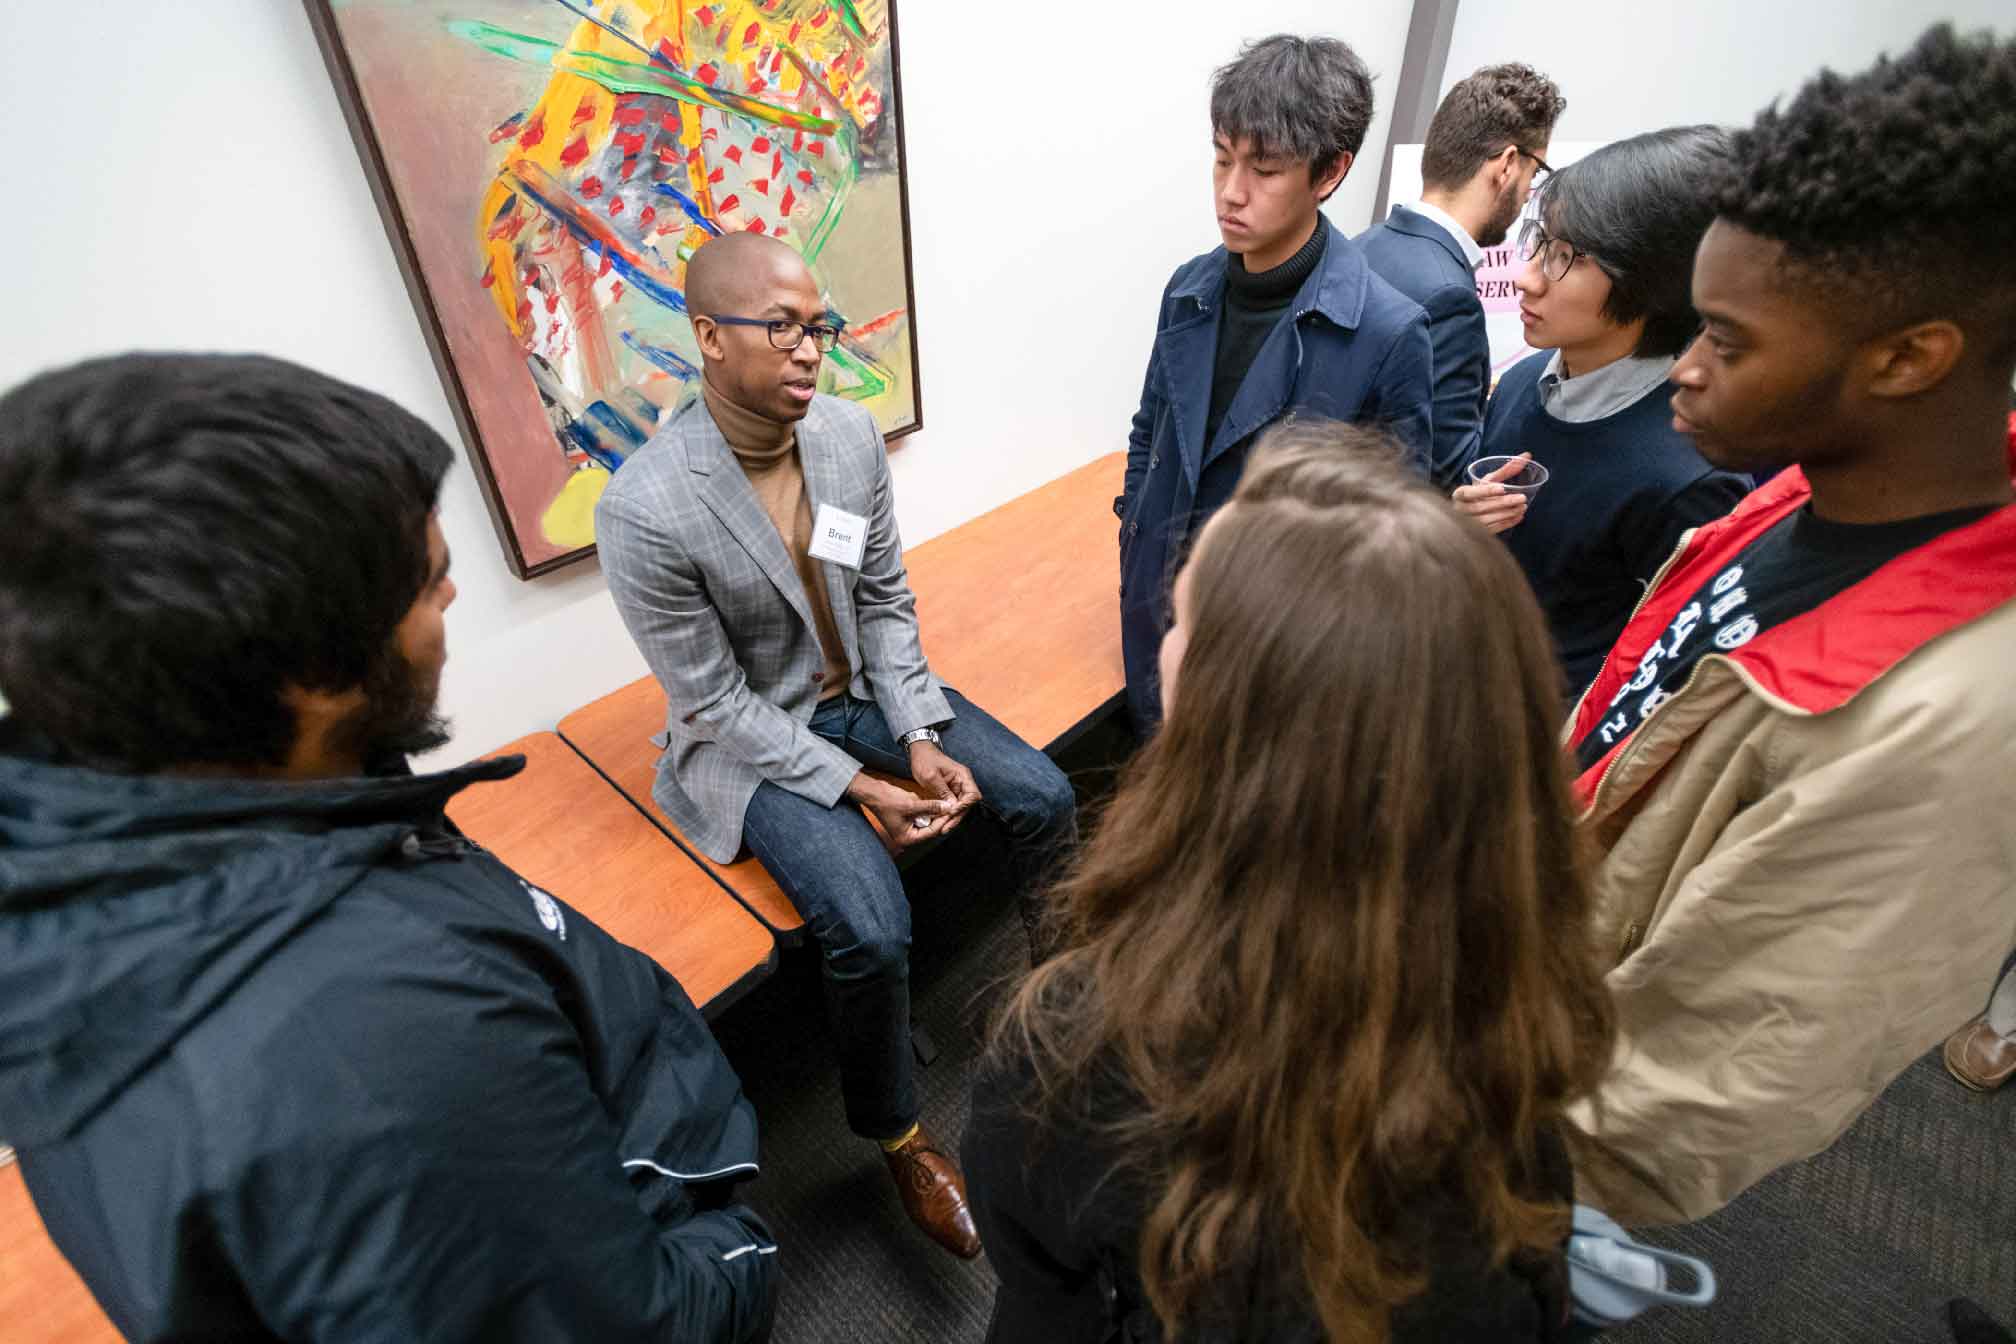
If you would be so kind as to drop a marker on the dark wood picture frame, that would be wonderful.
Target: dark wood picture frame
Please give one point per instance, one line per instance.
(350, 96)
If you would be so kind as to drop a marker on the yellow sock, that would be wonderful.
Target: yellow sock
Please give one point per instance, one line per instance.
(891, 1145)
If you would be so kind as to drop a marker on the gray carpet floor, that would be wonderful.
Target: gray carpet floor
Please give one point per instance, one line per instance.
(1915, 1205)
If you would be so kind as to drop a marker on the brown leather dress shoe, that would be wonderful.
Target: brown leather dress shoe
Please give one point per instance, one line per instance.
(934, 1194)
(1979, 1056)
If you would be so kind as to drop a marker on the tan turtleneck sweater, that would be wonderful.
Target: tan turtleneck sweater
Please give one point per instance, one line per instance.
(768, 453)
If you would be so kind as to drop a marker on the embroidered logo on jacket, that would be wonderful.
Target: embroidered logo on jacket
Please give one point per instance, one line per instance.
(548, 909)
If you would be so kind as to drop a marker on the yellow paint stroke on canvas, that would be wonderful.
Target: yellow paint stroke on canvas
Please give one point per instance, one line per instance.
(570, 519)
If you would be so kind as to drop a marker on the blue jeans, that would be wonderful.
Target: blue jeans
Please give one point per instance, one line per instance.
(831, 863)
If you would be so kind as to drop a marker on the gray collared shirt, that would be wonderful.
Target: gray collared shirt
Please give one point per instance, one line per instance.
(1600, 392)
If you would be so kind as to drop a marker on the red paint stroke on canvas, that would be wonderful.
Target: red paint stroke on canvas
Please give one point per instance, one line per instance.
(875, 326)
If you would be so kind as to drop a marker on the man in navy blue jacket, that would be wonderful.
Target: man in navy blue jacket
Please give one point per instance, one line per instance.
(288, 1058)
(1284, 318)
(1486, 145)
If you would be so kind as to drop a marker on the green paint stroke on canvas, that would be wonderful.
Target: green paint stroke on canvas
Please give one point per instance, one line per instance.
(874, 380)
(620, 76)
(850, 16)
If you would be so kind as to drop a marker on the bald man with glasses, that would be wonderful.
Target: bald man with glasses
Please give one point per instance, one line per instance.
(752, 550)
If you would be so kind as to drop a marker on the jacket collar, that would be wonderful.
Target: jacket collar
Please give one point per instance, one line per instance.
(1804, 665)
(1337, 289)
(1417, 223)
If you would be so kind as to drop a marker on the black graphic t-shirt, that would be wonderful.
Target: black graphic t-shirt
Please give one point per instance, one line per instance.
(1794, 567)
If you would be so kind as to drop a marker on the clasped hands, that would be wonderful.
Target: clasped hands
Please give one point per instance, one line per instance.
(907, 819)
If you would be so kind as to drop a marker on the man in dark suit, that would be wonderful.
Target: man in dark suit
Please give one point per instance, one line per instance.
(1485, 148)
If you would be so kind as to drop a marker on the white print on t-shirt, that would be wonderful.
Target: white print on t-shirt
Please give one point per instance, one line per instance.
(1737, 633)
(1683, 626)
(1734, 627)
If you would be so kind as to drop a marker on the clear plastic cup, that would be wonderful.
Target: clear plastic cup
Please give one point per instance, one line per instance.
(1525, 478)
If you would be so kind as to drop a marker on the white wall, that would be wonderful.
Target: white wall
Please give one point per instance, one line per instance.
(200, 190)
(1636, 65)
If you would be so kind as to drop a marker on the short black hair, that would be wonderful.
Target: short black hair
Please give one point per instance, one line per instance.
(1302, 98)
(1638, 207)
(184, 536)
(1487, 110)
(1896, 185)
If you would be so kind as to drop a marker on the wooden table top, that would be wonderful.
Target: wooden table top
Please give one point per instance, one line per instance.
(1020, 608)
(615, 733)
(560, 826)
(41, 1297)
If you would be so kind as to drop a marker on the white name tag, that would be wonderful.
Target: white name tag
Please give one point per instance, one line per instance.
(839, 536)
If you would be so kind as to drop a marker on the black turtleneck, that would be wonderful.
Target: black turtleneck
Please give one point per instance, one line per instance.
(1254, 302)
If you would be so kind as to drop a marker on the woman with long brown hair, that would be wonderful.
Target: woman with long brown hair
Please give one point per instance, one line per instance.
(1326, 986)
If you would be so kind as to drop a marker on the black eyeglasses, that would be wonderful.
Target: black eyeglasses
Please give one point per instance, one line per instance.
(1555, 255)
(786, 334)
(1542, 170)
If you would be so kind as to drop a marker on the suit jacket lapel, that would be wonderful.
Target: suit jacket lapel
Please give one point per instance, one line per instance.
(727, 493)
(817, 454)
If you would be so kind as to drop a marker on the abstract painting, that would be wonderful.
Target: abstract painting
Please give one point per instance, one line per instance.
(546, 167)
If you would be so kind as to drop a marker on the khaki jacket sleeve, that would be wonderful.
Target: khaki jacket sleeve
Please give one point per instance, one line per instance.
(1840, 924)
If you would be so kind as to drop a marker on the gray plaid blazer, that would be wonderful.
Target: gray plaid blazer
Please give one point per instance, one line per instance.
(709, 593)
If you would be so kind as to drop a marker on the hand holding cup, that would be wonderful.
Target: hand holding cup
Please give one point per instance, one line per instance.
(1499, 488)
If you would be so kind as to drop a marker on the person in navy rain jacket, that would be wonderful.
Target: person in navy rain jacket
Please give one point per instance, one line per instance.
(287, 1057)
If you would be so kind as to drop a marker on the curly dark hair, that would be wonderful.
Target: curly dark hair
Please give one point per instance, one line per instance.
(1896, 185)
(1487, 110)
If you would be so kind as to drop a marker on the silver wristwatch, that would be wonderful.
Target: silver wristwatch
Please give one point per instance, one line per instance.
(919, 735)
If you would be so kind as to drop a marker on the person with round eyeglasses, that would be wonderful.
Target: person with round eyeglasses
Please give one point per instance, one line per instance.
(1604, 296)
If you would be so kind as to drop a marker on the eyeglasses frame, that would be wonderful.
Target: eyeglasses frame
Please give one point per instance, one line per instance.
(825, 335)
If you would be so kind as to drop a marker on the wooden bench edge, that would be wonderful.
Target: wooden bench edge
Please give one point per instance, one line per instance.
(789, 937)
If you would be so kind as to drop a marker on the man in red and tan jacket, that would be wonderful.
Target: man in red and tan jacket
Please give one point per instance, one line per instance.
(1796, 760)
